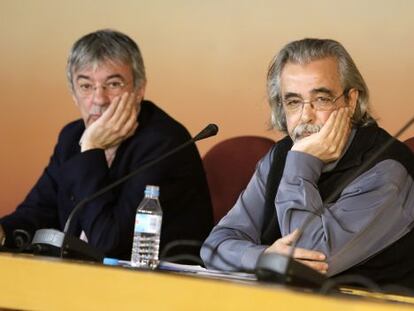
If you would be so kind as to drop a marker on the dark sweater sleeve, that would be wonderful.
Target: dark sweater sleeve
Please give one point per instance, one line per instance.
(38, 209)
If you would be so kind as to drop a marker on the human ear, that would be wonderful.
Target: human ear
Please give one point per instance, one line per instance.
(352, 100)
(75, 100)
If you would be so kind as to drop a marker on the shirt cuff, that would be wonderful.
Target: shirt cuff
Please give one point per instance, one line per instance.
(302, 165)
(251, 256)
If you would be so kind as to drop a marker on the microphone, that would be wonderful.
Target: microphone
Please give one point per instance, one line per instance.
(208, 131)
(278, 268)
(56, 243)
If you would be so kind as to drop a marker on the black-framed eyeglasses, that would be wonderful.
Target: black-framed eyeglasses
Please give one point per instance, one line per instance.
(321, 103)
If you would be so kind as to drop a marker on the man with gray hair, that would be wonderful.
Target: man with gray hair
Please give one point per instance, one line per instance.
(119, 132)
(360, 224)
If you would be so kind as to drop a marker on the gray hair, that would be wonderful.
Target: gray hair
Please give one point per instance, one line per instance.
(103, 45)
(303, 52)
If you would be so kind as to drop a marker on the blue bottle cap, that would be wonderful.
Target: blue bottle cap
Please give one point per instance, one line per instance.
(110, 261)
(151, 190)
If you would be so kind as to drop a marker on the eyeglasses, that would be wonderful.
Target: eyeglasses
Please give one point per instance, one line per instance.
(322, 103)
(110, 88)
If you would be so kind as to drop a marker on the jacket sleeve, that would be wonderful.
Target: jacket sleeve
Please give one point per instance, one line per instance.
(38, 209)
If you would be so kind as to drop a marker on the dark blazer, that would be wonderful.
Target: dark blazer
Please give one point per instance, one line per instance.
(108, 221)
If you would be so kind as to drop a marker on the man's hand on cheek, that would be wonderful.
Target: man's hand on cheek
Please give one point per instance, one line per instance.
(330, 141)
(115, 125)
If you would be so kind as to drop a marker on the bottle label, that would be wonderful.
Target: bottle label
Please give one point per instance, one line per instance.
(145, 223)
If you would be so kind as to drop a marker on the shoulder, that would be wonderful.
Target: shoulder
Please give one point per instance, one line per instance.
(158, 133)
(390, 171)
(378, 138)
(386, 175)
(68, 139)
(276, 153)
(264, 164)
(388, 147)
(156, 124)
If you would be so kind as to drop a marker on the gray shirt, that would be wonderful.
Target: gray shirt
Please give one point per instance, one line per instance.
(374, 211)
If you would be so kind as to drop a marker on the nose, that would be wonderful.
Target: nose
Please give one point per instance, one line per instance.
(308, 113)
(100, 97)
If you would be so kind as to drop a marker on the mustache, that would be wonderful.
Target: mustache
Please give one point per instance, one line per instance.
(302, 129)
(95, 109)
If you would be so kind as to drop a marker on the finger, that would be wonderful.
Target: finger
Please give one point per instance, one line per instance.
(345, 129)
(329, 124)
(130, 99)
(341, 121)
(132, 104)
(320, 266)
(109, 112)
(341, 132)
(127, 121)
(128, 112)
(129, 126)
(290, 238)
(336, 125)
(302, 253)
(120, 109)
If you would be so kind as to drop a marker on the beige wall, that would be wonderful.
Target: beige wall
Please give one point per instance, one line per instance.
(206, 62)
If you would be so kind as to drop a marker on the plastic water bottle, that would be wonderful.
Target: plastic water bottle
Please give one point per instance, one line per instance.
(147, 230)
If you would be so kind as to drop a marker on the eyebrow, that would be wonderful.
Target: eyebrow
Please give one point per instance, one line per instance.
(322, 90)
(117, 75)
(291, 94)
(313, 92)
(82, 77)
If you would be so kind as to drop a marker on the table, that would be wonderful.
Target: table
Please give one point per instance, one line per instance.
(41, 283)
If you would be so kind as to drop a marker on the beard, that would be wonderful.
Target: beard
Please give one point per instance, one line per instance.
(304, 130)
